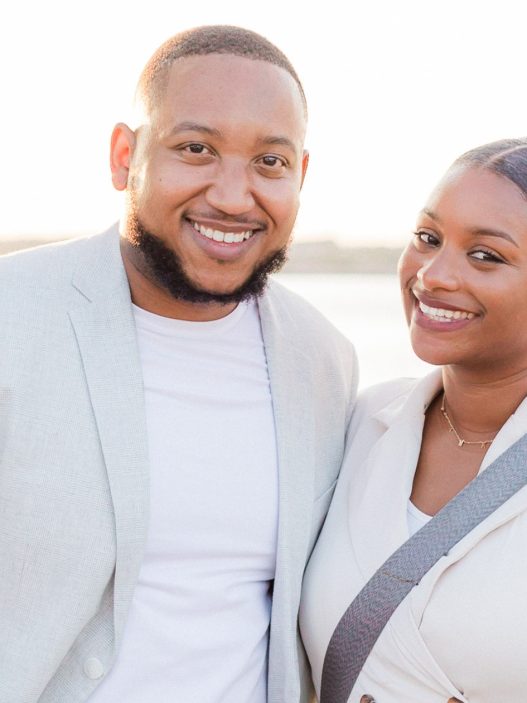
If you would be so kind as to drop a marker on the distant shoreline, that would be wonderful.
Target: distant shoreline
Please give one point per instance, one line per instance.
(304, 257)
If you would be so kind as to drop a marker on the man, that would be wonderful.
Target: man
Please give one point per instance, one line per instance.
(170, 427)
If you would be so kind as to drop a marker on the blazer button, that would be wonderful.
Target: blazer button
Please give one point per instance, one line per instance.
(93, 668)
(366, 698)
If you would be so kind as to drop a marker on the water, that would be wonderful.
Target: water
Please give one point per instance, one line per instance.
(367, 309)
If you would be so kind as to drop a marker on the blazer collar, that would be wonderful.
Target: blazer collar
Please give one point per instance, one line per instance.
(100, 270)
(512, 430)
(415, 402)
(291, 378)
(102, 318)
(382, 485)
(377, 505)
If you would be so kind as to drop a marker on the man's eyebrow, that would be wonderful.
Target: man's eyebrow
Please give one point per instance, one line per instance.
(278, 141)
(188, 126)
(476, 231)
(194, 127)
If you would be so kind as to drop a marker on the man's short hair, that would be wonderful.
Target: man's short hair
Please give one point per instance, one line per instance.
(209, 39)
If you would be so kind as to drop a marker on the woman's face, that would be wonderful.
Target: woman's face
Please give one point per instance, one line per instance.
(464, 274)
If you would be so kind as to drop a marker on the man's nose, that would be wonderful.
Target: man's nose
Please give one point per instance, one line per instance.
(231, 191)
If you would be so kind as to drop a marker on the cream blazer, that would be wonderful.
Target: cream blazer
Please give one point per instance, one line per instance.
(74, 471)
(463, 631)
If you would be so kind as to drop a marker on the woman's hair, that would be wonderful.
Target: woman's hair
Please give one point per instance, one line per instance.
(506, 157)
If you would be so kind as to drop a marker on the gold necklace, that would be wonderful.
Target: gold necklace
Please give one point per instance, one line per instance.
(460, 440)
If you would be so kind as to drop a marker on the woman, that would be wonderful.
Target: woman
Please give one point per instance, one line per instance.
(413, 445)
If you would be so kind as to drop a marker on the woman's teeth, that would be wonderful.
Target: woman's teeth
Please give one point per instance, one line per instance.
(441, 315)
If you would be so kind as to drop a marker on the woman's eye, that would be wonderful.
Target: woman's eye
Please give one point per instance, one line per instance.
(486, 255)
(426, 238)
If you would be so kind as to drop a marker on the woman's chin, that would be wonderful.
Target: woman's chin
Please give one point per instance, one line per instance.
(433, 353)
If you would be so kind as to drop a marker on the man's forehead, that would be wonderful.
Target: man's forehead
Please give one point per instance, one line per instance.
(225, 92)
(206, 65)
(239, 76)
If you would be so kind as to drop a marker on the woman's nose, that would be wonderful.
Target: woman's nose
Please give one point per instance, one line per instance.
(439, 272)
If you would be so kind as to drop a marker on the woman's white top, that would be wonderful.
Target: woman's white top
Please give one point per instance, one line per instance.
(463, 631)
(415, 518)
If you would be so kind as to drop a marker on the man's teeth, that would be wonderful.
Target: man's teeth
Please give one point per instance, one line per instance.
(218, 236)
(444, 315)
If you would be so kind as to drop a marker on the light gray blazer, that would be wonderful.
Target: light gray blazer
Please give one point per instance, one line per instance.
(74, 474)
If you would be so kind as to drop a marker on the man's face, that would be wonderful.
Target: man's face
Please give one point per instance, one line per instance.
(216, 171)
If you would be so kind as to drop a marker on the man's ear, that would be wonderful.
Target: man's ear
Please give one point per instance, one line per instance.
(121, 151)
(305, 162)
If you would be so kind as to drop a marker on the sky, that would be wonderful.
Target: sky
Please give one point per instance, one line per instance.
(396, 91)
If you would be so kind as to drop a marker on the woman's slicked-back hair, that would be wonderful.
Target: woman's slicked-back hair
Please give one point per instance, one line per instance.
(506, 157)
(201, 41)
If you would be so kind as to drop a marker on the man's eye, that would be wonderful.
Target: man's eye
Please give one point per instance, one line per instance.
(196, 149)
(272, 161)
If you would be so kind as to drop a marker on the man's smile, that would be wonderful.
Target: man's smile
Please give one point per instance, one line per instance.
(222, 236)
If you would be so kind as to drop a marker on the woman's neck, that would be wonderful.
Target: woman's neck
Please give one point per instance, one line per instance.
(482, 406)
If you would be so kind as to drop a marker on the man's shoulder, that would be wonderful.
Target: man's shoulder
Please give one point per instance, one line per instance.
(299, 318)
(52, 265)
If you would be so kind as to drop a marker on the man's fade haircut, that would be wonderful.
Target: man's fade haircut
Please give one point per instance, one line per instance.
(201, 41)
(505, 157)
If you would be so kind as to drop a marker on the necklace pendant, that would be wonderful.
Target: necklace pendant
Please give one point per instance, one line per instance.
(451, 428)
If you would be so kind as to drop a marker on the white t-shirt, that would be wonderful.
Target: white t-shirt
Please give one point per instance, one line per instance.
(415, 518)
(198, 627)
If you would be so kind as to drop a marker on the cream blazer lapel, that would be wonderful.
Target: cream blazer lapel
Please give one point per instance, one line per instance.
(405, 622)
(383, 482)
(102, 317)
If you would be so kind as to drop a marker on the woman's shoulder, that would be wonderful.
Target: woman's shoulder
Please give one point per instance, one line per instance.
(376, 408)
(368, 422)
(373, 399)
(379, 406)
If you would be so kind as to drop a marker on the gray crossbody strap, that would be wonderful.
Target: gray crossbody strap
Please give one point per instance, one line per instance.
(366, 617)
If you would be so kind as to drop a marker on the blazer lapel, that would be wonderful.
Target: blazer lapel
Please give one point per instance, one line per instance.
(382, 485)
(291, 378)
(103, 321)
(378, 503)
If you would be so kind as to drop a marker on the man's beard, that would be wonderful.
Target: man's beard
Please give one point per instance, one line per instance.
(164, 267)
